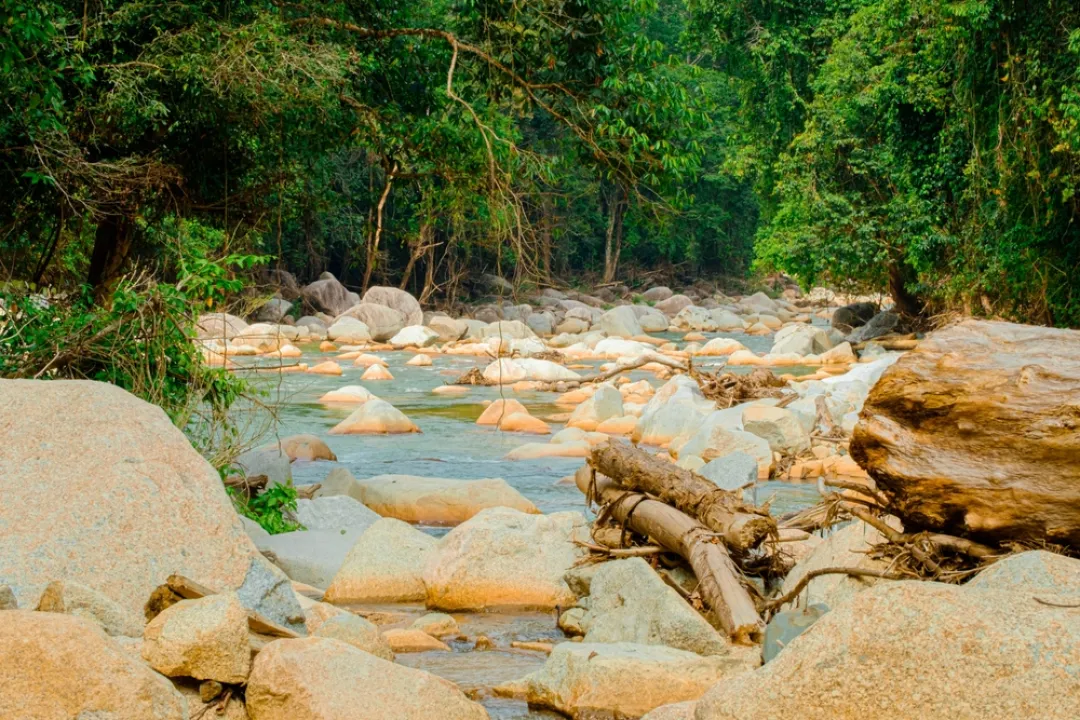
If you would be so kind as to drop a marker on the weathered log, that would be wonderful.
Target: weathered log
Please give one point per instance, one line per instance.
(730, 606)
(977, 433)
(741, 526)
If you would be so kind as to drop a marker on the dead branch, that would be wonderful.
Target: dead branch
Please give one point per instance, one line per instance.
(853, 572)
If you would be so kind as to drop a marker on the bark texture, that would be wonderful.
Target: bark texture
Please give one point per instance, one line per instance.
(977, 432)
(741, 526)
(730, 606)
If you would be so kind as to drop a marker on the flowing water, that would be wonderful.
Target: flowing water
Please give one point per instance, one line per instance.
(451, 445)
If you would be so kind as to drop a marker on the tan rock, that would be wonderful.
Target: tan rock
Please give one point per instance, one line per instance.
(100, 488)
(323, 679)
(366, 360)
(356, 631)
(385, 565)
(675, 711)
(524, 423)
(505, 558)
(847, 547)
(306, 447)
(618, 425)
(437, 501)
(917, 650)
(451, 390)
(420, 361)
(437, 625)
(533, 451)
(56, 667)
(357, 394)
(409, 640)
(375, 417)
(327, 346)
(75, 598)
(376, 372)
(205, 639)
(500, 409)
(622, 680)
(325, 368)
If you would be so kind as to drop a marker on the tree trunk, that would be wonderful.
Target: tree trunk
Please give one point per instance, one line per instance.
(908, 304)
(112, 243)
(373, 246)
(741, 526)
(613, 240)
(975, 433)
(730, 606)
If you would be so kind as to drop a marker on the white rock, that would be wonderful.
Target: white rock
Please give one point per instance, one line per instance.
(414, 336)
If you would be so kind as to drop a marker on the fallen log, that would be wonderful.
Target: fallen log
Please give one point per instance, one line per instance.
(741, 526)
(976, 433)
(730, 606)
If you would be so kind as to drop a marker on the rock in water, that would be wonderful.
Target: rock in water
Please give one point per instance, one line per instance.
(205, 639)
(356, 631)
(505, 558)
(324, 679)
(100, 488)
(58, 666)
(397, 299)
(622, 680)
(975, 433)
(437, 501)
(917, 650)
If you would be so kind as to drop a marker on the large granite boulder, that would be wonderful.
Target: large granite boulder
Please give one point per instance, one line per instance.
(621, 680)
(382, 322)
(385, 565)
(54, 667)
(505, 558)
(620, 322)
(917, 650)
(324, 679)
(205, 639)
(100, 488)
(397, 299)
(328, 295)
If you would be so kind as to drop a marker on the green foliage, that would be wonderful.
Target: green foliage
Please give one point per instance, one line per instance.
(271, 509)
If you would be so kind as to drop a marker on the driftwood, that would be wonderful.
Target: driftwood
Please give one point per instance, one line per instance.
(729, 604)
(976, 433)
(741, 526)
(178, 588)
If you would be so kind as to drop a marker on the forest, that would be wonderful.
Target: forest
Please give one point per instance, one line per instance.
(924, 149)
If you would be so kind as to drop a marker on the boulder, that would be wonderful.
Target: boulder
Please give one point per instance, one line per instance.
(653, 321)
(1034, 570)
(414, 336)
(447, 328)
(620, 322)
(505, 558)
(305, 447)
(801, 340)
(605, 404)
(847, 318)
(498, 409)
(541, 323)
(98, 487)
(398, 300)
(779, 426)
(674, 711)
(621, 680)
(545, 370)
(504, 372)
(436, 625)
(334, 514)
(973, 433)
(847, 547)
(673, 305)
(375, 417)
(629, 602)
(219, 326)
(355, 631)
(325, 679)
(267, 591)
(507, 330)
(409, 640)
(357, 394)
(693, 317)
(264, 337)
(726, 321)
(382, 322)
(312, 557)
(327, 295)
(205, 639)
(676, 407)
(55, 666)
(349, 330)
(384, 565)
(325, 368)
(917, 650)
(437, 501)
(273, 311)
(657, 294)
(732, 471)
(376, 373)
(572, 326)
(74, 598)
(883, 323)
